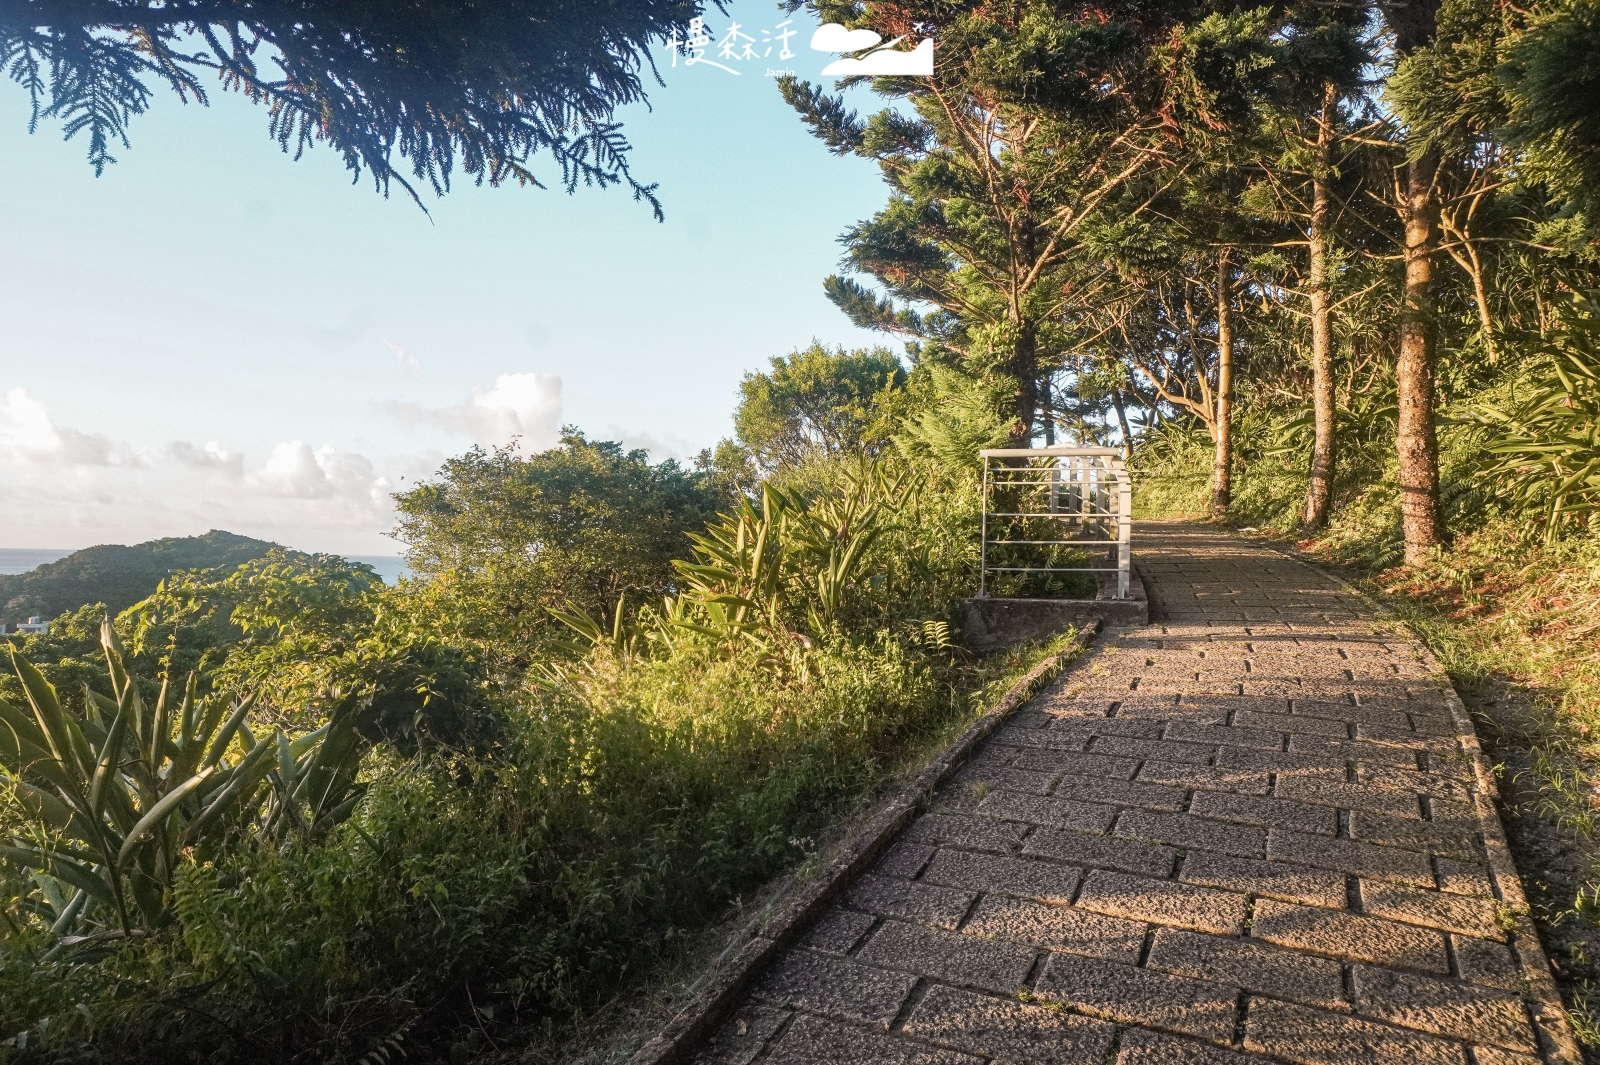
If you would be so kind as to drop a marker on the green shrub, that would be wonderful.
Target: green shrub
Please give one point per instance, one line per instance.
(499, 539)
(107, 805)
(1546, 442)
(1172, 471)
(630, 800)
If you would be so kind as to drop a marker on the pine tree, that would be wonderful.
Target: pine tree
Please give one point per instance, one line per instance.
(1552, 80)
(1415, 30)
(1032, 154)
(1309, 165)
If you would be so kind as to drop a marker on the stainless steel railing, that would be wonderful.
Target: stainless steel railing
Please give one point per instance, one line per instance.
(1083, 493)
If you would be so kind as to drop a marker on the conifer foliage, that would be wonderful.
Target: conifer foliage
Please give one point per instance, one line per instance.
(486, 87)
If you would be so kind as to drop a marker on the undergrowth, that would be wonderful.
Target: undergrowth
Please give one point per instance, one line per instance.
(630, 805)
(613, 1025)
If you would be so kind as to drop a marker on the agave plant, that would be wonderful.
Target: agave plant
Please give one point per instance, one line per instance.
(835, 533)
(119, 796)
(620, 636)
(755, 568)
(736, 576)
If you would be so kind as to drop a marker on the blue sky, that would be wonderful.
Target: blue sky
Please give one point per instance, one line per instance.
(212, 335)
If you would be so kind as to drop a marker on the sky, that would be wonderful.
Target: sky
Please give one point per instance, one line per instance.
(214, 335)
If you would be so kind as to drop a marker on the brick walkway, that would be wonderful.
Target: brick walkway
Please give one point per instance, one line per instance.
(1249, 826)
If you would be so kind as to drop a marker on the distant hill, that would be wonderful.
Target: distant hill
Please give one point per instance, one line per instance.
(116, 575)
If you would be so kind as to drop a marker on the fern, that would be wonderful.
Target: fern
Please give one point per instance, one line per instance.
(966, 419)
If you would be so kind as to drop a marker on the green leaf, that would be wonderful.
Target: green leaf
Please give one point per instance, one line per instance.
(298, 747)
(157, 814)
(62, 868)
(50, 810)
(220, 744)
(62, 739)
(286, 761)
(106, 773)
(24, 749)
(241, 781)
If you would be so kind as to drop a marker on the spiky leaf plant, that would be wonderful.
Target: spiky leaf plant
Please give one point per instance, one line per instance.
(115, 800)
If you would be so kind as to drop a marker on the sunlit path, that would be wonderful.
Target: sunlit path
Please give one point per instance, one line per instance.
(1251, 828)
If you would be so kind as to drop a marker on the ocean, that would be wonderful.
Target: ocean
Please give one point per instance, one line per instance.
(22, 559)
(390, 567)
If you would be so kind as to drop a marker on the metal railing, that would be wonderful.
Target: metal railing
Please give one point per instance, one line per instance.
(1083, 492)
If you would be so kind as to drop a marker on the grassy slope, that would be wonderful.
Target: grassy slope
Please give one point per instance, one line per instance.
(615, 1027)
(1516, 624)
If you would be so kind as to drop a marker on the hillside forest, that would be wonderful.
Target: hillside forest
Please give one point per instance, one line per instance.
(1328, 273)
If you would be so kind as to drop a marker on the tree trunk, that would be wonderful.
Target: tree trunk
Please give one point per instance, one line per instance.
(1024, 370)
(1480, 295)
(1415, 25)
(1319, 491)
(1122, 422)
(1416, 444)
(1470, 261)
(1222, 466)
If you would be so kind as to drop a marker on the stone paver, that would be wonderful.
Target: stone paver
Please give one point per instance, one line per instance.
(1023, 877)
(1010, 1030)
(1275, 880)
(1250, 965)
(1143, 996)
(1246, 829)
(1068, 928)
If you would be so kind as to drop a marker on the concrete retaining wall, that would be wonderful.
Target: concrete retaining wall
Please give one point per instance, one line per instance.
(991, 623)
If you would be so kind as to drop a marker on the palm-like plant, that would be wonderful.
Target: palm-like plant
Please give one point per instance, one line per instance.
(736, 579)
(750, 567)
(1548, 446)
(119, 797)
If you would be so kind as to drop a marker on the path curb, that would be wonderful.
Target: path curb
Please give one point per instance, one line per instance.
(1559, 1044)
(722, 989)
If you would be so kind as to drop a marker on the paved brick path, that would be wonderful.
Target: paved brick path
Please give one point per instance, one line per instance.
(1249, 826)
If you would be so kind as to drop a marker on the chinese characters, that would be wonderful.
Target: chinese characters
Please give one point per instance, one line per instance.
(734, 46)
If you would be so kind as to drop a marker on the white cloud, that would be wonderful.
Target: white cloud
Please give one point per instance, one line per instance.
(526, 405)
(29, 436)
(661, 447)
(78, 488)
(405, 358)
(211, 457)
(85, 506)
(295, 471)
